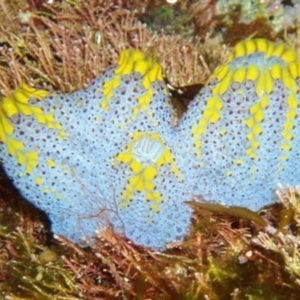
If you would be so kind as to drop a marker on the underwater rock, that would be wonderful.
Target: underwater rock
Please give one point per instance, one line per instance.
(109, 155)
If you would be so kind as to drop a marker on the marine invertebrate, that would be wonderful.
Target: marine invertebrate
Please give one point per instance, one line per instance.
(109, 156)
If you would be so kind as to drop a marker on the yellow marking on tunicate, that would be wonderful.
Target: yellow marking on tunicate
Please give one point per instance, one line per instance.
(224, 84)
(268, 82)
(289, 55)
(260, 85)
(283, 158)
(145, 100)
(288, 80)
(288, 126)
(263, 74)
(134, 61)
(145, 154)
(45, 190)
(223, 131)
(252, 72)
(276, 71)
(292, 101)
(264, 83)
(222, 71)
(228, 173)
(279, 50)
(210, 115)
(262, 45)
(293, 69)
(240, 50)
(253, 123)
(18, 103)
(38, 180)
(250, 47)
(287, 135)
(136, 167)
(270, 50)
(264, 102)
(286, 147)
(239, 75)
(259, 116)
(50, 163)
(238, 161)
(252, 154)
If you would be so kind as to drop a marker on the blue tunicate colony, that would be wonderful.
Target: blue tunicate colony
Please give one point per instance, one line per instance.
(109, 155)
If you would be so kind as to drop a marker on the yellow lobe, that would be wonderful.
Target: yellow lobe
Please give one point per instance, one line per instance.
(291, 114)
(259, 116)
(252, 72)
(7, 127)
(276, 71)
(279, 50)
(287, 135)
(221, 71)
(238, 162)
(254, 108)
(270, 50)
(41, 118)
(9, 107)
(25, 109)
(255, 144)
(239, 50)
(141, 66)
(257, 129)
(292, 101)
(38, 180)
(14, 146)
(20, 158)
(250, 47)
(286, 147)
(264, 102)
(289, 55)
(239, 75)
(32, 92)
(262, 45)
(149, 173)
(136, 167)
(288, 125)
(250, 122)
(224, 85)
(223, 132)
(214, 117)
(268, 82)
(288, 80)
(251, 153)
(260, 85)
(283, 158)
(20, 96)
(155, 72)
(293, 68)
(50, 163)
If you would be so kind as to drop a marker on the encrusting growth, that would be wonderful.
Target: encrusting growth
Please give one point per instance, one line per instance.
(109, 155)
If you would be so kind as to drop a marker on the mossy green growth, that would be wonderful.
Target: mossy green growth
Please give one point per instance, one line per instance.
(29, 269)
(170, 18)
(253, 280)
